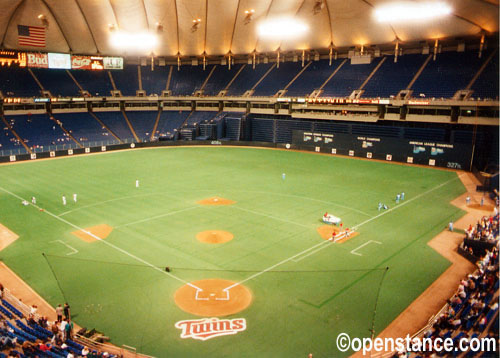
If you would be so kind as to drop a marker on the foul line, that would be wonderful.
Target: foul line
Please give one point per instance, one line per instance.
(275, 265)
(405, 202)
(323, 244)
(74, 251)
(104, 241)
(157, 216)
(361, 246)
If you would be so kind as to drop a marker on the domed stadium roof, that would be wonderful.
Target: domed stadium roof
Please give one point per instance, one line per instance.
(83, 26)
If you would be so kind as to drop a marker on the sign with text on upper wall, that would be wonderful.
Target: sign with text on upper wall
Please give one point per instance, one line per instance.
(66, 61)
(87, 63)
(61, 61)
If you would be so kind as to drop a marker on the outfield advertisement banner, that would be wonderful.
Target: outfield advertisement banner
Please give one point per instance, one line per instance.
(442, 154)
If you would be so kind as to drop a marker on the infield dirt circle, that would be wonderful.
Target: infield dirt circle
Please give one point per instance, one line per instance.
(213, 301)
(214, 236)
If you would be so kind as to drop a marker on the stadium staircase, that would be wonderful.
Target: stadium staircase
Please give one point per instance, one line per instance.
(224, 91)
(68, 133)
(130, 125)
(285, 89)
(155, 126)
(106, 127)
(481, 69)
(82, 91)
(337, 69)
(381, 62)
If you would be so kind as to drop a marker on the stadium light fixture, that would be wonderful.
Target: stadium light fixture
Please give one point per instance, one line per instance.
(137, 41)
(196, 24)
(248, 16)
(405, 11)
(318, 6)
(44, 20)
(282, 28)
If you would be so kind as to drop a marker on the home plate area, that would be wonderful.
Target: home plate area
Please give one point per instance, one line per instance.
(207, 298)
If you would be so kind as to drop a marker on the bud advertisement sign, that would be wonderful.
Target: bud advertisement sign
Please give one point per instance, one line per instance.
(37, 60)
(87, 63)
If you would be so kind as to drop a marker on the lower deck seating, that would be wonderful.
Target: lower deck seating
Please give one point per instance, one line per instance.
(170, 122)
(39, 132)
(116, 123)
(84, 128)
(143, 123)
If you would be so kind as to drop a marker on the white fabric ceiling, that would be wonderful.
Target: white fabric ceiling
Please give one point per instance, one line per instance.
(81, 26)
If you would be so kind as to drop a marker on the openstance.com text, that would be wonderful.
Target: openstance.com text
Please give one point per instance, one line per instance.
(408, 344)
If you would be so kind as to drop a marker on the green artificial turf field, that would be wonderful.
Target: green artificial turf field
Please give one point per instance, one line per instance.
(305, 290)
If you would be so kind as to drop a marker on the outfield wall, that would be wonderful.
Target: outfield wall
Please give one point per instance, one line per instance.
(447, 155)
(439, 154)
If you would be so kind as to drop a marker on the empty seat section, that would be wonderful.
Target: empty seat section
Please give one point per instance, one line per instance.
(277, 79)
(57, 82)
(198, 117)
(486, 85)
(220, 79)
(262, 129)
(188, 79)
(450, 72)
(348, 78)
(312, 78)
(97, 83)
(247, 79)
(143, 123)
(126, 80)
(285, 128)
(38, 131)
(392, 77)
(115, 122)
(17, 82)
(153, 82)
(170, 122)
(84, 128)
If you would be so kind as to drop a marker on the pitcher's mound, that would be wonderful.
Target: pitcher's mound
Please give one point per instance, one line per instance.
(326, 231)
(101, 231)
(213, 301)
(215, 200)
(7, 237)
(214, 236)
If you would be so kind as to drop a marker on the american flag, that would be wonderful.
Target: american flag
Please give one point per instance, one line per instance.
(31, 36)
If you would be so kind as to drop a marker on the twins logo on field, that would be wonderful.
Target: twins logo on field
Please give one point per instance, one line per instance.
(206, 328)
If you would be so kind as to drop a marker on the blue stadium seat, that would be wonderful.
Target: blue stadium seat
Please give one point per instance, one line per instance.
(16, 81)
(277, 79)
(312, 78)
(154, 81)
(451, 71)
(348, 78)
(393, 77)
(97, 83)
(115, 122)
(247, 79)
(220, 79)
(143, 123)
